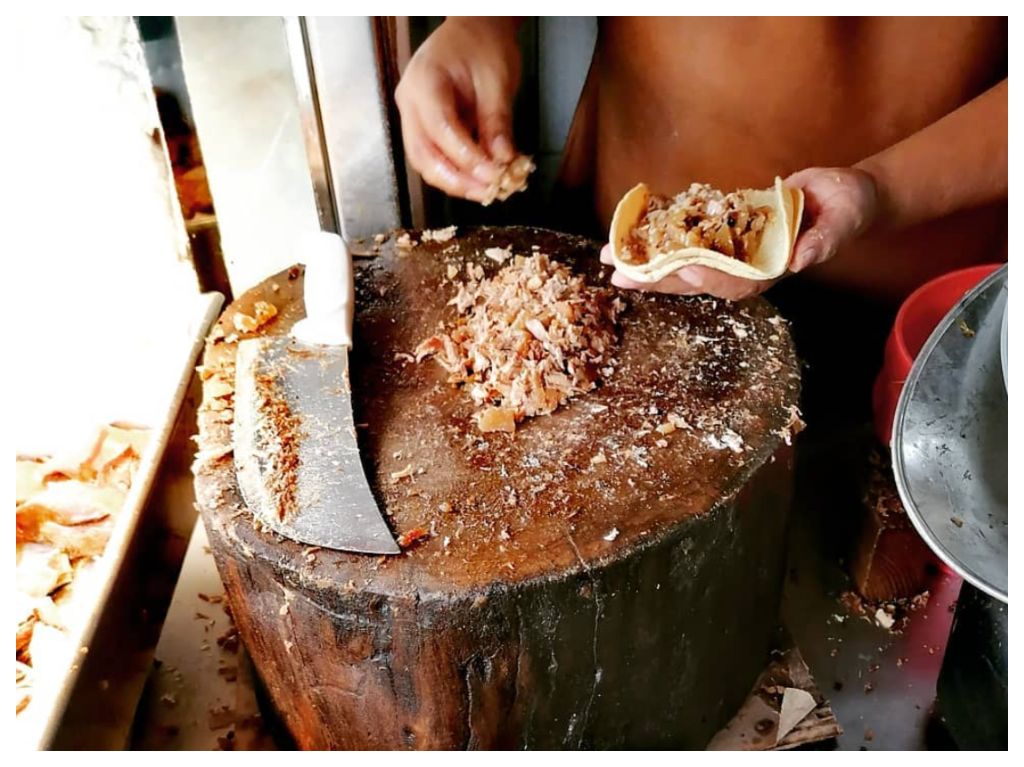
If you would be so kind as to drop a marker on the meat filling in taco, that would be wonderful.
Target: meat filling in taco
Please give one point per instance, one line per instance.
(700, 217)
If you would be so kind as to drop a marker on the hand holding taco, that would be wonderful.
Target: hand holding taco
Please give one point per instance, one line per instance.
(736, 244)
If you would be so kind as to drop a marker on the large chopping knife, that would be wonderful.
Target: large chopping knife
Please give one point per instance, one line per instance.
(296, 452)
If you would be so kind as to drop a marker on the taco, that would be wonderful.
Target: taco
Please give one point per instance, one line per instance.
(749, 233)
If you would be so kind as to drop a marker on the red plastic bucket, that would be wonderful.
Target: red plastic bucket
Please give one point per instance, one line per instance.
(919, 315)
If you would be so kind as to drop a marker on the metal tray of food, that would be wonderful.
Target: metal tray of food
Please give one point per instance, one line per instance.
(36, 725)
(949, 443)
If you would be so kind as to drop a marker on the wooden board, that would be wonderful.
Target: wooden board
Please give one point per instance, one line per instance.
(889, 560)
(557, 603)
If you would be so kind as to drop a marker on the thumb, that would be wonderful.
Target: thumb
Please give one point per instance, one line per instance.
(813, 247)
(821, 241)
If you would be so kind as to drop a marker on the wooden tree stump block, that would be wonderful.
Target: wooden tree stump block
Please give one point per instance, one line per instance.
(558, 602)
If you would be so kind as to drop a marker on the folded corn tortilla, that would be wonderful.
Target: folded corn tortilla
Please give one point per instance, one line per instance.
(769, 260)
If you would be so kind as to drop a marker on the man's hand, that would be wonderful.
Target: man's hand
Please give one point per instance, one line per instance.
(455, 101)
(839, 205)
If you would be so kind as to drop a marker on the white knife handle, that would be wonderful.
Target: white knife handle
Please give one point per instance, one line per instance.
(328, 291)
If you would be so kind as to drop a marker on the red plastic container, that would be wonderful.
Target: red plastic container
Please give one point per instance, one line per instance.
(919, 315)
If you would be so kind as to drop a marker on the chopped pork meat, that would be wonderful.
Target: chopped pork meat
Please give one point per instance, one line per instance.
(700, 217)
(512, 179)
(65, 508)
(525, 340)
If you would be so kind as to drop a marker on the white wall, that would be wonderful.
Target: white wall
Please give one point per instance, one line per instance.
(565, 46)
(103, 286)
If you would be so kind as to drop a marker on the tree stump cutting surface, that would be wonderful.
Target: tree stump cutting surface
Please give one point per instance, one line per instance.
(557, 602)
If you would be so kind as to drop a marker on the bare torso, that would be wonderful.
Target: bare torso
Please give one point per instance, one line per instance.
(734, 102)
